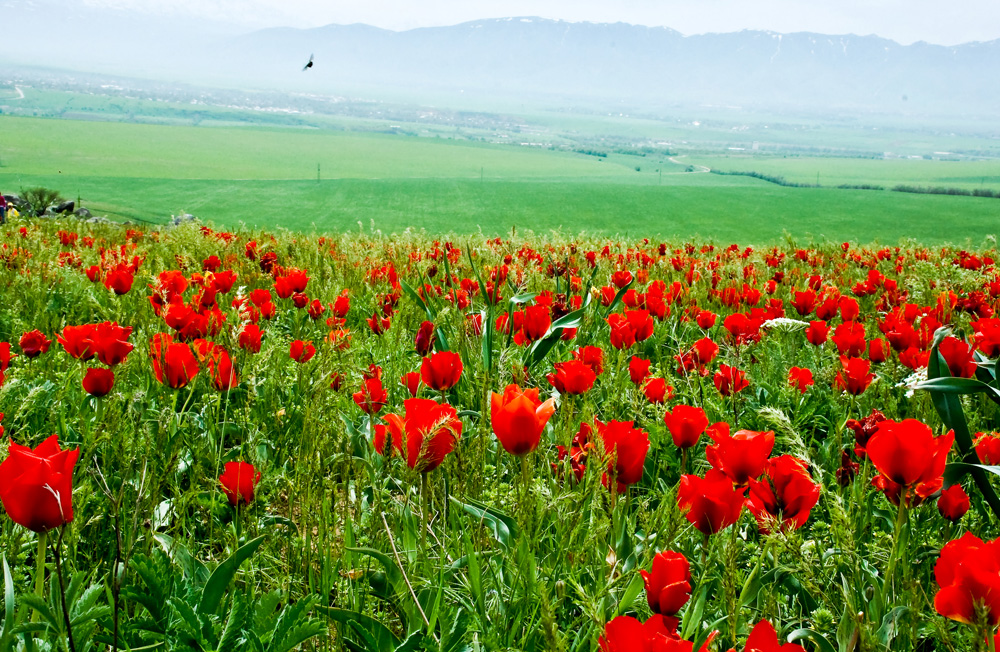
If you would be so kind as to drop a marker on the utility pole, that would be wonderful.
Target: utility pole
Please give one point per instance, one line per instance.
(317, 173)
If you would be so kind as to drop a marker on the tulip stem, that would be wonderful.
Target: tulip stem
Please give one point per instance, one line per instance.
(62, 590)
(900, 522)
(424, 522)
(39, 572)
(991, 642)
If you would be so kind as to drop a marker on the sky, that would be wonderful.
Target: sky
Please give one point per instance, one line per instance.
(905, 21)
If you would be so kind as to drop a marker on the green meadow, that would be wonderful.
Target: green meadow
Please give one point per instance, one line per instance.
(267, 177)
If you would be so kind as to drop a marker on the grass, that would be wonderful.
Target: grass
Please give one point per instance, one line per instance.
(266, 177)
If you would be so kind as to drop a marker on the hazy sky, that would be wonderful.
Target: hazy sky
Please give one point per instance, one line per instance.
(906, 21)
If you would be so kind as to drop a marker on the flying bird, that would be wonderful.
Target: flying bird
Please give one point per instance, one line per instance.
(308, 65)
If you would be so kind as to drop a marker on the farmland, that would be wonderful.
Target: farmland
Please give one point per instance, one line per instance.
(262, 176)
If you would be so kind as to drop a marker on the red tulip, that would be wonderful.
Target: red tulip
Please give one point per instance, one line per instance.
(441, 370)
(301, 351)
(378, 324)
(519, 417)
(878, 351)
(908, 454)
(863, 430)
(953, 503)
(968, 572)
(804, 302)
(239, 480)
(34, 343)
(119, 279)
(77, 341)
(425, 434)
(800, 378)
(36, 486)
(638, 369)
(626, 448)
(741, 456)
(250, 338)
(173, 363)
(706, 319)
(763, 638)
(536, 322)
(710, 503)
(817, 333)
(850, 339)
(785, 497)
(592, 356)
(110, 344)
(372, 397)
(657, 634)
(411, 381)
(668, 585)
(686, 424)
(854, 377)
(98, 382)
(730, 380)
(425, 338)
(657, 390)
(988, 448)
(958, 355)
(223, 370)
(572, 377)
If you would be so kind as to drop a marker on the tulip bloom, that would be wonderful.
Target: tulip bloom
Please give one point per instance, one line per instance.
(301, 351)
(572, 377)
(968, 572)
(988, 448)
(638, 369)
(657, 634)
(730, 380)
(250, 337)
(411, 381)
(800, 378)
(785, 497)
(711, 503)
(592, 356)
(535, 322)
(424, 340)
(110, 344)
(958, 355)
(850, 339)
(686, 424)
(426, 433)
(98, 382)
(441, 370)
(36, 486)
(853, 377)
(34, 343)
(953, 503)
(817, 333)
(763, 638)
(668, 585)
(372, 397)
(908, 454)
(239, 480)
(77, 341)
(518, 418)
(173, 363)
(741, 456)
(657, 390)
(626, 448)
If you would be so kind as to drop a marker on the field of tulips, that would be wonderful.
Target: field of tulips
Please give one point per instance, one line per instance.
(274, 442)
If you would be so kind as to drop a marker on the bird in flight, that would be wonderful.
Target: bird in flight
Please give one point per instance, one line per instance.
(308, 65)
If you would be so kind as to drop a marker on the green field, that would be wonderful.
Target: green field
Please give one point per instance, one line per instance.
(267, 177)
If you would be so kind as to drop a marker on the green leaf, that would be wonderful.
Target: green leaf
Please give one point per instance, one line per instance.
(416, 297)
(631, 593)
(193, 569)
(504, 527)
(955, 471)
(618, 298)
(820, 641)
(393, 573)
(223, 574)
(383, 637)
(8, 596)
(890, 625)
(541, 348)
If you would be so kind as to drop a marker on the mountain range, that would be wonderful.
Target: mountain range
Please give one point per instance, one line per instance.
(544, 60)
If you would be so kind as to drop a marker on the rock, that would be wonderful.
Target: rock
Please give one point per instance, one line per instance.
(15, 201)
(65, 207)
(97, 220)
(177, 220)
(82, 212)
